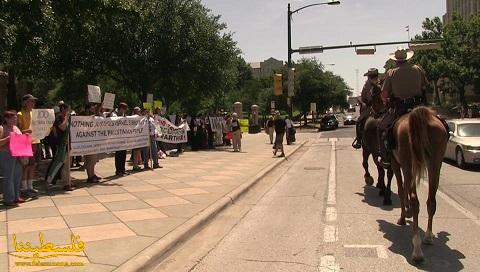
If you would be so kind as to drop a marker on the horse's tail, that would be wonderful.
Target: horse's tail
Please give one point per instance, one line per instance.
(418, 122)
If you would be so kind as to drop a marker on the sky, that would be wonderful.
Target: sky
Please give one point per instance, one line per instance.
(260, 29)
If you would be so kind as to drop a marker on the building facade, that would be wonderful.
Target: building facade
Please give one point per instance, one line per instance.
(463, 8)
(265, 68)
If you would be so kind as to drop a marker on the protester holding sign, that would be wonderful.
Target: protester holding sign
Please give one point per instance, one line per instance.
(92, 159)
(152, 150)
(25, 125)
(121, 155)
(10, 167)
(55, 138)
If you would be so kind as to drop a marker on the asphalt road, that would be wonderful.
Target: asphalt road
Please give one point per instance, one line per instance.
(314, 213)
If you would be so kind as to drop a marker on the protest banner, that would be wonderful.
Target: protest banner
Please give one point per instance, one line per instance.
(20, 145)
(42, 122)
(169, 133)
(94, 135)
(244, 125)
(94, 94)
(109, 101)
(216, 123)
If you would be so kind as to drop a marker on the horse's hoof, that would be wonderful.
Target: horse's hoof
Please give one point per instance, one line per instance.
(401, 222)
(428, 239)
(369, 181)
(417, 259)
(408, 213)
(387, 202)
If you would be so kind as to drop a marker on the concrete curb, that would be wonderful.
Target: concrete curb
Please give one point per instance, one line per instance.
(145, 259)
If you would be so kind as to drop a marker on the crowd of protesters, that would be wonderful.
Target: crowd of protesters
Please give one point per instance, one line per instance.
(19, 173)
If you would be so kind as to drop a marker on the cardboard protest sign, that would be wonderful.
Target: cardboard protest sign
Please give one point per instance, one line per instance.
(42, 122)
(109, 101)
(150, 98)
(94, 94)
(157, 104)
(244, 125)
(94, 135)
(147, 106)
(20, 145)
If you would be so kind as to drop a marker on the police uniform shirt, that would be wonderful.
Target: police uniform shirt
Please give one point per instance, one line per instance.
(405, 81)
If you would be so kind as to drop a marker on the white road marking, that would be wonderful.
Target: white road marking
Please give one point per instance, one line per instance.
(455, 204)
(330, 234)
(332, 184)
(327, 264)
(331, 214)
(381, 250)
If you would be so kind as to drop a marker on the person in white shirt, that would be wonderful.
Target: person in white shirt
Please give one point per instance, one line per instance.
(288, 131)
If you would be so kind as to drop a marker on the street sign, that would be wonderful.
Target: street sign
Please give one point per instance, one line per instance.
(313, 107)
(272, 105)
(365, 51)
(310, 50)
(424, 46)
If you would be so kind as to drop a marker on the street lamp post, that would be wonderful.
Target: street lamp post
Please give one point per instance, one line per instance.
(289, 26)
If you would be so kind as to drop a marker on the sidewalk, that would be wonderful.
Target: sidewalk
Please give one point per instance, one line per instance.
(119, 218)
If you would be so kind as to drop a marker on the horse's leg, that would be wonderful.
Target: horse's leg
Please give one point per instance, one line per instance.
(381, 180)
(398, 176)
(387, 198)
(410, 187)
(433, 180)
(367, 177)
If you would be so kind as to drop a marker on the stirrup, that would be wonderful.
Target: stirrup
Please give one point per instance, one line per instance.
(384, 163)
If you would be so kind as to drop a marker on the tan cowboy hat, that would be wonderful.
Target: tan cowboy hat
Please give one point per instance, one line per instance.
(401, 54)
(371, 72)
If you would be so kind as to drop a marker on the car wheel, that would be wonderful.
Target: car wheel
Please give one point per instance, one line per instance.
(459, 158)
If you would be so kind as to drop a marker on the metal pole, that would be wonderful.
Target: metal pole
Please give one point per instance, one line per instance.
(289, 24)
(289, 64)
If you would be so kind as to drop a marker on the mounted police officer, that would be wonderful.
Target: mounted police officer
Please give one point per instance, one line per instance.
(365, 101)
(403, 90)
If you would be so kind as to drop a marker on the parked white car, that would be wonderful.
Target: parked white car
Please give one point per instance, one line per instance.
(464, 143)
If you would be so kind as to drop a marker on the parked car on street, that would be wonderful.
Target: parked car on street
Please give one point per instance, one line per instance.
(464, 143)
(349, 120)
(328, 122)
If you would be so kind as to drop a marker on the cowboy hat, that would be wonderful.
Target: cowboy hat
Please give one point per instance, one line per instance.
(401, 54)
(371, 72)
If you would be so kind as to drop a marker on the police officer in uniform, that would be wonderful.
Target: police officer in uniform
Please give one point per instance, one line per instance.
(365, 101)
(403, 90)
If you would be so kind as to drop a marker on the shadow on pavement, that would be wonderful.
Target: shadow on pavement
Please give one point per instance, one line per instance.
(438, 257)
(371, 197)
(469, 168)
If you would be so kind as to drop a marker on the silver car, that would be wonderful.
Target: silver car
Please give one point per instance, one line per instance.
(464, 143)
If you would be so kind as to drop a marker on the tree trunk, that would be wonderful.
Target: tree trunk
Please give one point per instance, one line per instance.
(12, 102)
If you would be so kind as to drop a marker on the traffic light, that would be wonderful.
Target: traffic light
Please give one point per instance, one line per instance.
(277, 84)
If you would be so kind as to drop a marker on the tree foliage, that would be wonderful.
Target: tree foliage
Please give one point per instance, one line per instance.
(176, 49)
(459, 57)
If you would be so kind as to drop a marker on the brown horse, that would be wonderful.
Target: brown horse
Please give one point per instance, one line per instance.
(370, 146)
(421, 139)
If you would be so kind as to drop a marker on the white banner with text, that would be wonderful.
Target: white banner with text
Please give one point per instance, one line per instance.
(95, 135)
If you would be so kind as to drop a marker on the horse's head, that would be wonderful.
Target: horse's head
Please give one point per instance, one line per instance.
(377, 103)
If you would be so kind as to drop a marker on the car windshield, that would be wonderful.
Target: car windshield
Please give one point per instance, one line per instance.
(469, 130)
